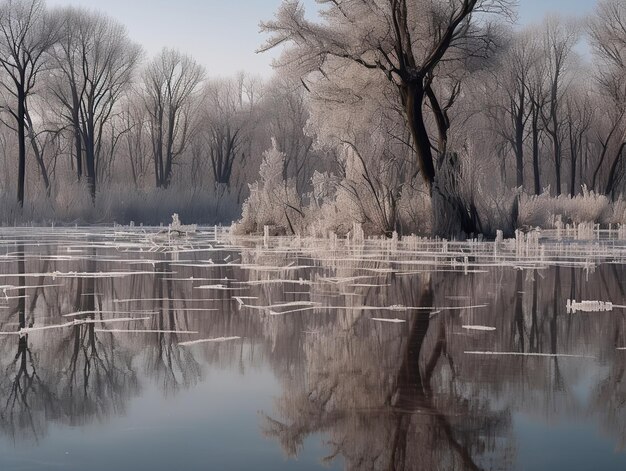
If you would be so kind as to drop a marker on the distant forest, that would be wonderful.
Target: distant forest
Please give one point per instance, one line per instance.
(406, 116)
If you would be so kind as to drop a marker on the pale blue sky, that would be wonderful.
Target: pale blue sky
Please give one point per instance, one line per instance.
(223, 34)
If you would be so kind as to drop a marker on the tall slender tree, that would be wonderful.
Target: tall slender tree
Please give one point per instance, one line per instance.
(27, 32)
(95, 64)
(559, 38)
(171, 82)
(607, 30)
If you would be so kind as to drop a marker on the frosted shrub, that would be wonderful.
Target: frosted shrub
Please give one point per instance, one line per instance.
(330, 209)
(543, 210)
(272, 201)
(619, 212)
(380, 208)
(415, 210)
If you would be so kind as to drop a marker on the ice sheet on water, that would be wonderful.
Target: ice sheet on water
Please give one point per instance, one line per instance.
(591, 306)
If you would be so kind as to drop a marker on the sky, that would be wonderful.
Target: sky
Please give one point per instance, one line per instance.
(224, 34)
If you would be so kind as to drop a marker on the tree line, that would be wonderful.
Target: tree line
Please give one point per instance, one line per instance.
(382, 108)
(82, 103)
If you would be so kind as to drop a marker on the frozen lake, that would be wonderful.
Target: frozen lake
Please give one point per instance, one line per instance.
(121, 348)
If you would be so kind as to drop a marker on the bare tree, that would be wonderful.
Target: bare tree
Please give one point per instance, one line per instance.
(95, 64)
(136, 139)
(537, 98)
(171, 82)
(579, 116)
(559, 38)
(607, 30)
(229, 111)
(513, 104)
(27, 32)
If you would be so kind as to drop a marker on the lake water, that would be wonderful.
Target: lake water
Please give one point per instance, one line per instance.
(123, 349)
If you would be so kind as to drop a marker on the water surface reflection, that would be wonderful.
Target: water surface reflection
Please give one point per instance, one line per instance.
(346, 356)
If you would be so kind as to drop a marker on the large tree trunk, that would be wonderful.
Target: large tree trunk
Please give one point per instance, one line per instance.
(453, 217)
(413, 98)
(610, 186)
(91, 173)
(557, 164)
(90, 160)
(535, 139)
(573, 145)
(519, 147)
(37, 151)
(21, 137)
(78, 141)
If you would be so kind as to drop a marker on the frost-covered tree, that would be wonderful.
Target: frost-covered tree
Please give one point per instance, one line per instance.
(407, 44)
(286, 105)
(365, 127)
(273, 200)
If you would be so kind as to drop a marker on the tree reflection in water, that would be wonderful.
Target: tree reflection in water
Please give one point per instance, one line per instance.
(383, 395)
(22, 386)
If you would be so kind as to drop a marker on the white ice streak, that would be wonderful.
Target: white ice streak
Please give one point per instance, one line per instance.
(221, 287)
(107, 274)
(146, 331)
(141, 300)
(111, 321)
(528, 354)
(291, 311)
(214, 340)
(240, 299)
(86, 313)
(11, 287)
(27, 330)
(399, 307)
(307, 304)
(391, 321)
(479, 327)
